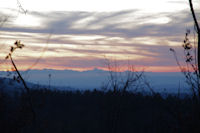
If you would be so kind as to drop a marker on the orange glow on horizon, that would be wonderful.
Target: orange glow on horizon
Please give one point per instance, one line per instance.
(9, 67)
(163, 69)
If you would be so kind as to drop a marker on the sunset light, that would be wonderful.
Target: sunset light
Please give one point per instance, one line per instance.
(70, 31)
(99, 66)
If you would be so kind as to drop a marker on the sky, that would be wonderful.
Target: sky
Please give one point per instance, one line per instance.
(82, 34)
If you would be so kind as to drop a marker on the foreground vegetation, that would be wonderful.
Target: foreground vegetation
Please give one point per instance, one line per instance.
(97, 112)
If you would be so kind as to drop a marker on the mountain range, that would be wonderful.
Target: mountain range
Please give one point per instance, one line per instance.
(96, 78)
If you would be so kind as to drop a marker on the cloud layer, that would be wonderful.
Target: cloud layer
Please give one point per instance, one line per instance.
(83, 39)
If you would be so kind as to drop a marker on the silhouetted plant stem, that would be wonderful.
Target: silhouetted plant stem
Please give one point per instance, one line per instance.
(24, 83)
(26, 88)
(198, 32)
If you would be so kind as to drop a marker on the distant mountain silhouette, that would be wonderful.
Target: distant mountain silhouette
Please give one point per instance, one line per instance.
(90, 79)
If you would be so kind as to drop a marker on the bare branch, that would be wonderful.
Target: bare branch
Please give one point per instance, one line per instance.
(194, 17)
